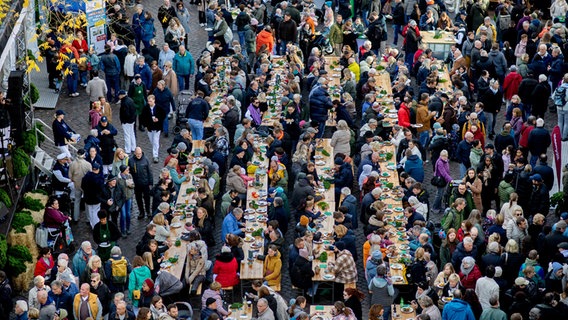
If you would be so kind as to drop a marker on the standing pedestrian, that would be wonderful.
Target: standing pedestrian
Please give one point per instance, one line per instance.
(196, 114)
(62, 133)
(111, 67)
(143, 181)
(152, 118)
(128, 121)
(184, 66)
(93, 181)
(77, 170)
(164, 101)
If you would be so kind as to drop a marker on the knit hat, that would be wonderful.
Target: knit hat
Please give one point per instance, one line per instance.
(122, 168)
(304, 221)
(377, 255)
(181, 146)
(338, 161)
(437, 125)
(149, 283)
(498, 272)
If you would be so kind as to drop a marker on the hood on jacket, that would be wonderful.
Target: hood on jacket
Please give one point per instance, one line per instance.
(264, 36)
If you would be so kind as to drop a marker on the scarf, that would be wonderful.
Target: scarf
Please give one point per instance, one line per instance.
(466, 271)
(255, 114)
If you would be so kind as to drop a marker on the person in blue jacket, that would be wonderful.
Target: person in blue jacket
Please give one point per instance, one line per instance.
(137, 21)
(232, 225)
(142, 70)
(343, 176)
(148, 30)
(320, 103)
(457, 309)
(414, 166)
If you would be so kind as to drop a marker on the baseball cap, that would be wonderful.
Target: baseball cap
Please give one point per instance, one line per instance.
(104, 119)
(61, 156)
(536, 177)
(122, 92)
(59, 112)
(96, 166)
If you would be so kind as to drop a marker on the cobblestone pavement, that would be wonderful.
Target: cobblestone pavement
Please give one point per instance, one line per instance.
(77, 117)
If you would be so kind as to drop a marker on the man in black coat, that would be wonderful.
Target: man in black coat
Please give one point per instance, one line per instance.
(152, 118)
(540, 200)
(545, 171)
(539, 141)
(525, 91)
(128, 120)
(540, 96)
(230, 120)
(93, 181)
(112, 198)
(143, 181)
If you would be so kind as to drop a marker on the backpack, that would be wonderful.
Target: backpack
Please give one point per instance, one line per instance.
(559, 96)
(119, 270)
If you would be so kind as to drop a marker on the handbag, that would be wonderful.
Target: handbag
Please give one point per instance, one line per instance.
(41, 235)
(438, 181)
(135, 292)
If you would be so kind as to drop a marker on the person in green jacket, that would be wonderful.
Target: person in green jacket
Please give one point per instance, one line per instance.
(226, 200)
(336, 35)
(462, 192)
(453, 217)
(505, 188)
(493, 313)
(140, 272)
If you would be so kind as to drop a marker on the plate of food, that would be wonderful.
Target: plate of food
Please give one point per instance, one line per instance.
(403, 247)
(391, 167)
(398, 209)
(320, 163)
(406, 309)
(249, 238)
(318, 157)
(328, 276)
(249, 230)
(447, 299)
(397, 278)
(250, 217)
(249, 211)
(256, 245)
(261, 210)
(417, 125)
(262, 203)
(165, 264)
(396, 266)
(385, 174)
(175, 225)
(441, 285)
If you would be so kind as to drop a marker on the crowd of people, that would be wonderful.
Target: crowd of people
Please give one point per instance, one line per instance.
(498, 251)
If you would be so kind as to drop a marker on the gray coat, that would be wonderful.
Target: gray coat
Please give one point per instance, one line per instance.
(498, 59)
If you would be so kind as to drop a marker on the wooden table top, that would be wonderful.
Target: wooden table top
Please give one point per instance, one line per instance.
(323, 266)
(428, 37)
(320, 310)
(243, 313)
(324, 165)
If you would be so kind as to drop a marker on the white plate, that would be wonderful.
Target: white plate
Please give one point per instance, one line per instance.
(417, 125)
(208, 29)
(249, 239)
(328, 276)
(396, 279)
(396, 266)
(404, 247)
(249, 210)
(249, 217)
(320, 163)
(261, 210)
(262, 203)
(175, 225)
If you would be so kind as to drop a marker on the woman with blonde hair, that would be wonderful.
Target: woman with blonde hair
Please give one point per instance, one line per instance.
(204, 226)
(120, 159)
(177, 178)
(129, 62)
(341, 138)
(175, 34)
(95, 114)
(148, 259)
(162, 228)
(511, 261)
(94, 265)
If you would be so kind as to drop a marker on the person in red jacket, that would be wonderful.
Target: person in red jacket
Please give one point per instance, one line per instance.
(404, 114)
(44, 263)
(525, 132)
(469, 273)
(225, 268)
(511, 84)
